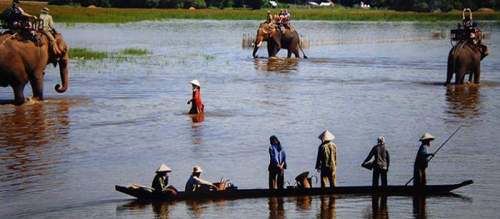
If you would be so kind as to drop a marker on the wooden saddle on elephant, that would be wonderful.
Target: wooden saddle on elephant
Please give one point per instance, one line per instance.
(25, 35)
(467, 31)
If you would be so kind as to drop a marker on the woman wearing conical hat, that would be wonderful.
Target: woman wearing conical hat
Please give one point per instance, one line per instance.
(326, 161)
(421, 161)
(197, 106)
(160, 181)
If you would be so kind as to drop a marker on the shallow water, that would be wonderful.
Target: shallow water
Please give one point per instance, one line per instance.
(120, 119)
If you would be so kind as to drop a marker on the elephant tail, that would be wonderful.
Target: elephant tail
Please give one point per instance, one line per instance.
(300, 47)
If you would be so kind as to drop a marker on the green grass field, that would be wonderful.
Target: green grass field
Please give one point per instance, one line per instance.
(70, 14)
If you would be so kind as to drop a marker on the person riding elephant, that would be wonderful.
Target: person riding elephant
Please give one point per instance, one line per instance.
(49, 29)
(14, 17)
(465, 58)
(276, 40)
(22, 62)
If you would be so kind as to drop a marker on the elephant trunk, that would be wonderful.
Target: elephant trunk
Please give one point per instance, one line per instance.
(258, 41)
(255, 48)
(256, 45)
(63, 69)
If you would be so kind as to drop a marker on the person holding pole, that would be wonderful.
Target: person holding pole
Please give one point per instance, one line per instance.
(422, 160)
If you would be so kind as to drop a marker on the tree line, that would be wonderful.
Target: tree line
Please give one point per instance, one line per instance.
(398, 5)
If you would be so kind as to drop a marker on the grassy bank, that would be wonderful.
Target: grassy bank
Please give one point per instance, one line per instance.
(69, 14)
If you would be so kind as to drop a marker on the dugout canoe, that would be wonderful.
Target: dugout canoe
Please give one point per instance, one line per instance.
(235, 193)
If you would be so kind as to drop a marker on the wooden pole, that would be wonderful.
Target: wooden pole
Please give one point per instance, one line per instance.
(437, 150)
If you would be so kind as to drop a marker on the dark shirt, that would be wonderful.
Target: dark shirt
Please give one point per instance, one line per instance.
(381, 155)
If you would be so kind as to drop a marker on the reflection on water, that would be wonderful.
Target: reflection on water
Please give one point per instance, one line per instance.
(464, 101)
(304, 202)
(197, 207)
(419, 206)
(160, 209)
(276, 208)
(328, 207)
(379, 207)
(278, 65)
(137, 207)
(197, 128)
(31, 137)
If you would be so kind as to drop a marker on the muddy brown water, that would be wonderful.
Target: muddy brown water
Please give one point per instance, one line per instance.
(120, 119)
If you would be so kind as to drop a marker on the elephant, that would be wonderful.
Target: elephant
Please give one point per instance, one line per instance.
(465, 57)
(277, 39)
(23, 58)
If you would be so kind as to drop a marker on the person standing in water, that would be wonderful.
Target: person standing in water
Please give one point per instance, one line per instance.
(197, 106)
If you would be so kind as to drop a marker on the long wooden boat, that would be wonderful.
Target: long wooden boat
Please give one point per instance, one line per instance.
(234, 193)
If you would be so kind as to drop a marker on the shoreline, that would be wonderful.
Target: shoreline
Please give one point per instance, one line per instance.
(74, 14)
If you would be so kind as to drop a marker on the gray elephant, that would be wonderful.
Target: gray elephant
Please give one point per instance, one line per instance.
(465, 58)
(23, 59)
(277, 39)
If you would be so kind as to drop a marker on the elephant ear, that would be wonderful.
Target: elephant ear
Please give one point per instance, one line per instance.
(484, 51)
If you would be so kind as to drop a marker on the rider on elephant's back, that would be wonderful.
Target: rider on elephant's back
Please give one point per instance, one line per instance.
(15, 17)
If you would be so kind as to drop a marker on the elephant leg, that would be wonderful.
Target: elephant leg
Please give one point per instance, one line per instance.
(36, 82)
(270, 51)
(461, 70)
(18, 94)
(450, 69)
(477, 74)
(289, 53)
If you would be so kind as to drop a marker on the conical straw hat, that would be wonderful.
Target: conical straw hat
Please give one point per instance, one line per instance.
(326, 136)
(427, 136)
(163, 168)
(195, 82)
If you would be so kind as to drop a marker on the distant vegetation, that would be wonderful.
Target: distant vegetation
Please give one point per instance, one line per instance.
(74, 14)
(399, 5)
(88, 54)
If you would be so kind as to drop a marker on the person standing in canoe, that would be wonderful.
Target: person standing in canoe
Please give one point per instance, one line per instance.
(421, 161)
(277, 164)
(197, 106)
(196, 184)
(380, 164)
(326, 161)
(160, 181)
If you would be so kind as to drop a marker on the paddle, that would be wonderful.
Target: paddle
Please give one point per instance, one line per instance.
(437, 151)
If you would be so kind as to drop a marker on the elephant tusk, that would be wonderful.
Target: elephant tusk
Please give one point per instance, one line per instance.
(260, 44)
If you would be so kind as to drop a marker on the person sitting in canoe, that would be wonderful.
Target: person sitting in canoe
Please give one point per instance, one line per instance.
(196, 184)
(160, 181)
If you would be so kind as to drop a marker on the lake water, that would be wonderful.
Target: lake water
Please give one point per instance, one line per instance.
(120, 119)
